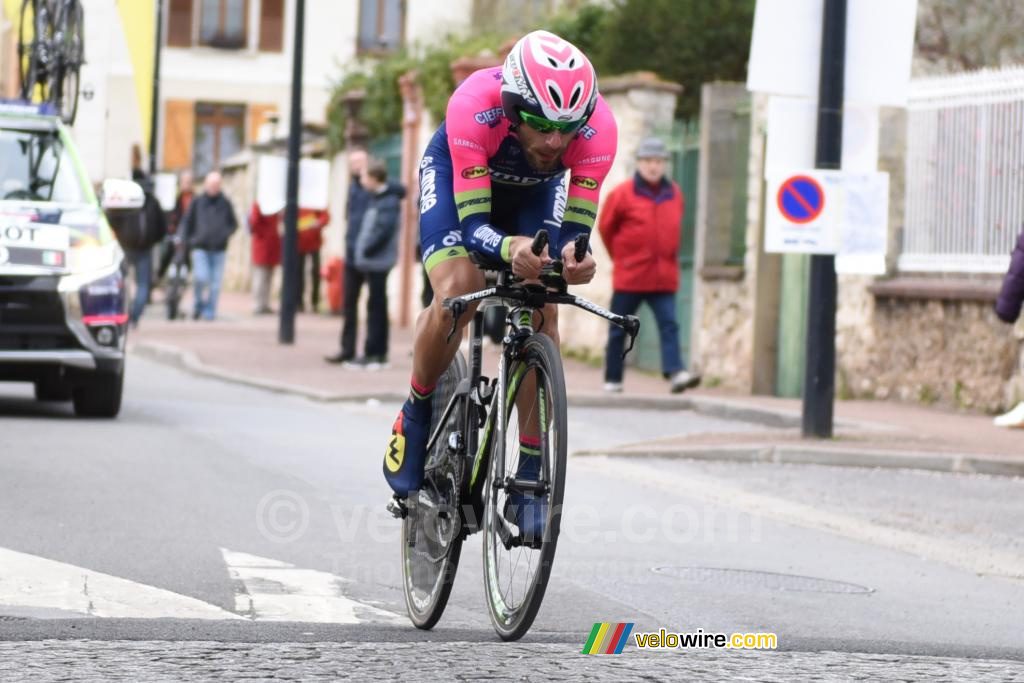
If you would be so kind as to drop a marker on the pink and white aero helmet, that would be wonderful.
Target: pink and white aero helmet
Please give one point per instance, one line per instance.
(547, 76)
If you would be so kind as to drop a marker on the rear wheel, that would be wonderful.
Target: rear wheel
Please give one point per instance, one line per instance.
(99, 395)
(516, 565)
(431, 532)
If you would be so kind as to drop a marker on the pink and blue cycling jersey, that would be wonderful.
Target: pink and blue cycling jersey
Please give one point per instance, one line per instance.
(490, 177)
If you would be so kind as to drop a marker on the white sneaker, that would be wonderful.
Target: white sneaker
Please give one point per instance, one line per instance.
(613, 387)
(1012, 419)
(683, 380)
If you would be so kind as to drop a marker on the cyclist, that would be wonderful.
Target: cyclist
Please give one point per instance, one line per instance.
(491, 177)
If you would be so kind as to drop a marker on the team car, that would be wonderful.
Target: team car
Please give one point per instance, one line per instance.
(63, 305)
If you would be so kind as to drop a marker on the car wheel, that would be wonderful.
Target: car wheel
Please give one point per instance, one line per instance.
(99, 395)
(52, 389)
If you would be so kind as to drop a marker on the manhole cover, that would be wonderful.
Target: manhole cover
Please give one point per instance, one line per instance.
(747, 578)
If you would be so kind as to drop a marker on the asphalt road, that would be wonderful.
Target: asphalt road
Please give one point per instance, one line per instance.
(208, 509)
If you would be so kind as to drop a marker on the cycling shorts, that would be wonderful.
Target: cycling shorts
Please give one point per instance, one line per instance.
(515, 210)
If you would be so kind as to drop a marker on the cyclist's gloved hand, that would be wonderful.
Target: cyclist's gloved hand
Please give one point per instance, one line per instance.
(525, 263)
(577, 273)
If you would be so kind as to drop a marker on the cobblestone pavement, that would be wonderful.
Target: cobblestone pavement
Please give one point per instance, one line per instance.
(90, 660)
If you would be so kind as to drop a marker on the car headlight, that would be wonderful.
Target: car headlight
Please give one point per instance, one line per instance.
(98, 301)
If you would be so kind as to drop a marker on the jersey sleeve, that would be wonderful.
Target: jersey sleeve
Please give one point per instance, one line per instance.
(471, 181)
(589, 166)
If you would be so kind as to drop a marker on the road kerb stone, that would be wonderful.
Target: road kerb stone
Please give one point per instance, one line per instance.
(996, 465)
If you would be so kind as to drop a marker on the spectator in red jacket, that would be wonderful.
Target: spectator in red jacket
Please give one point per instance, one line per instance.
(639, 223)
(311, 227)
(266, 255)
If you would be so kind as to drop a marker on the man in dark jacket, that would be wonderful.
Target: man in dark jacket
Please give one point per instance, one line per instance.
(207, 226)
(352, 282)
(640, 223)
(376, 252)
(137, 236)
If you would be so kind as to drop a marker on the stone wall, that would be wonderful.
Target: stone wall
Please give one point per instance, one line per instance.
(930, 351)
(724, 320)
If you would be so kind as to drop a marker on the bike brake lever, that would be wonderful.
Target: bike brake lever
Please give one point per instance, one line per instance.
(631, 324)
(581, 244)
(456, 307)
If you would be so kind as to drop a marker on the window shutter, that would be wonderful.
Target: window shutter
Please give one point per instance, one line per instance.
(271, 25)
(258, 115)
(179, 23)
(179, 127)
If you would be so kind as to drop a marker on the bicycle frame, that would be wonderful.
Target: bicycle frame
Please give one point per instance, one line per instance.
(487, 399)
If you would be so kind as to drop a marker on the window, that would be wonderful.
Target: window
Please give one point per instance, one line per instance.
(35, 166)
(219, 134)
(271, 25)
(381, 25)
(222, 23)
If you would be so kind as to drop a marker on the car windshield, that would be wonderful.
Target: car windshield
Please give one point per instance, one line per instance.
(34, 166)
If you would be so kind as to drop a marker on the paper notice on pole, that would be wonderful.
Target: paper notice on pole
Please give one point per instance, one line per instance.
(828, 212)
(785, 49)
(272, 180)
(865, 224)
(791, 136)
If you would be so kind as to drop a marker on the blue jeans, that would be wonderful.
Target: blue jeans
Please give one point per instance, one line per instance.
(663, 305)
(207, 271)
(141, 260)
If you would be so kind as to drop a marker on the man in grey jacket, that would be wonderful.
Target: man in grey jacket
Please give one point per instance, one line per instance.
(376, 253)
(206, 229)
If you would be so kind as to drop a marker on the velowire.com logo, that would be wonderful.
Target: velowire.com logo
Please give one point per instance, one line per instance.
(607, 639)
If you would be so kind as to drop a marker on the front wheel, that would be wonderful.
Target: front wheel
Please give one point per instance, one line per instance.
(99, 395)
(520, 527)
(431, 531)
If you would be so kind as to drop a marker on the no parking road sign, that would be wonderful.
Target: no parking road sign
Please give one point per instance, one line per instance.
(826, 212)
(800, 199)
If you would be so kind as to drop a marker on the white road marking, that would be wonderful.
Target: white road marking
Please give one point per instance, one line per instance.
(31, 582)
(974, 557)
(278, 591)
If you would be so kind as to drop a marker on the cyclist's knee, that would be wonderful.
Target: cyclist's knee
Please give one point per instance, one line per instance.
(455, 277)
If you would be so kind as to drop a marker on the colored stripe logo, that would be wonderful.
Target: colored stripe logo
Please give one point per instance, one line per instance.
(607, 638)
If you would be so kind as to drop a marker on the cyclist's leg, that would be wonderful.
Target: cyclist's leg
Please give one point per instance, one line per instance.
(451, 273)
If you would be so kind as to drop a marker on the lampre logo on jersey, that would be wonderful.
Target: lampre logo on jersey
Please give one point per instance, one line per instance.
(428, 191)
(474, 172)
(488, 236)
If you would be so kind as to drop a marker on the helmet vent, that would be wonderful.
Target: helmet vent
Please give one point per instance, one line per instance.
(576, 92)
(553, 63)
(555, 96)
(572, 63)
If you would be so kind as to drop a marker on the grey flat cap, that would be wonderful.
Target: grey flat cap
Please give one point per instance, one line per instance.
(652, 148)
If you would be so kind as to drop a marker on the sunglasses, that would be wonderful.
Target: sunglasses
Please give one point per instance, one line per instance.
(543, 125)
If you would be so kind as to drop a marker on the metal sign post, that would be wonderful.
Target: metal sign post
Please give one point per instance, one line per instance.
(820, 369)
(286, 326)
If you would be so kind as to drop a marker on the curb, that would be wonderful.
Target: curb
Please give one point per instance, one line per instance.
(956, 463)
(190, 362)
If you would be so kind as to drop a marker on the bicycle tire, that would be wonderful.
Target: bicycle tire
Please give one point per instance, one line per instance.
(444, 476)
(65, 87)
(30, 68)
(540, 354)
